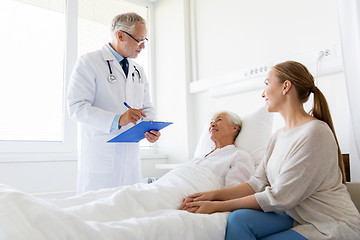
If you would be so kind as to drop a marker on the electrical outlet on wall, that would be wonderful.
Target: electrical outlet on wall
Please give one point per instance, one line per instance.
(328, 52)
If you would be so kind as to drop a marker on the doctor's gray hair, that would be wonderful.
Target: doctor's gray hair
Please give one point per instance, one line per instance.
(125, 22)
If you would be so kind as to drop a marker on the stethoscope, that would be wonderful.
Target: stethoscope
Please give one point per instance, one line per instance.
(112, 79)
(138, 73)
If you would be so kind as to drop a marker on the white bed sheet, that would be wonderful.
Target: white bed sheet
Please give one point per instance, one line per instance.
(141, 211)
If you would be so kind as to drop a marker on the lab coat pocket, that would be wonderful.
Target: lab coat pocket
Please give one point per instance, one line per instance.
(100, 155)
(138, 94)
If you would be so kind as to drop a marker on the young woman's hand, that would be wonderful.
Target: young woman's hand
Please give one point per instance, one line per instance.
(184, 202)
(205, 207)
(201, 196)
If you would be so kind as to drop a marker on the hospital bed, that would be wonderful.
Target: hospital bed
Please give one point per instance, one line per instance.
(141, 211)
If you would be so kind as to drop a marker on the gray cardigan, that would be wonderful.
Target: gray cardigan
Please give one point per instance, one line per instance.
(299, 175)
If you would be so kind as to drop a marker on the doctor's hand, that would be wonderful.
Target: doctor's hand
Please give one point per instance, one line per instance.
(131, 116)
(152, 136)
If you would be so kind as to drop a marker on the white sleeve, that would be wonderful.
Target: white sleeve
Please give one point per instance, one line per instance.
(81, 96)
(241, 169)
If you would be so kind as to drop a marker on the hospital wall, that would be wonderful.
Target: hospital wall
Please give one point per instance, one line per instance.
(232, 35)
(171, 78)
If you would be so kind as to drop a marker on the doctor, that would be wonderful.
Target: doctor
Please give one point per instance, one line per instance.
(100, 84)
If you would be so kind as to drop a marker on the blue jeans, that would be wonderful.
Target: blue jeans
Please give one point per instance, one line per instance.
(248, 224)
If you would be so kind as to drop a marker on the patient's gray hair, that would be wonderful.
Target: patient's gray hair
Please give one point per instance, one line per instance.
(125, 22)
(235, 119)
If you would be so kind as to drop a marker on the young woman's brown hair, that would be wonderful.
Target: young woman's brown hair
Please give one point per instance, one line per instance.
(304, 84)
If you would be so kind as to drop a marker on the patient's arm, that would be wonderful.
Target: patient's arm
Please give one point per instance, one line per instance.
(241, 169)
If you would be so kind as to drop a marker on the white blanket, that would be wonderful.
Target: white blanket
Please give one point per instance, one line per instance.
(141, 211)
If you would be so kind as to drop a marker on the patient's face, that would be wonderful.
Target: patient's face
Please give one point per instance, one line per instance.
(221, 129)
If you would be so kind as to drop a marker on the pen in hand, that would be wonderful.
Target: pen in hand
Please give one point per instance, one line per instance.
(152, 136)
(132, 115)
(127, 105)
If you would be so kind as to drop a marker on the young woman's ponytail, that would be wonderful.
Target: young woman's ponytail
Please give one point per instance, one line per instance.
(321, 111)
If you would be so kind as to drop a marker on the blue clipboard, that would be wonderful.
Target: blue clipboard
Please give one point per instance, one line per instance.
(136, 133)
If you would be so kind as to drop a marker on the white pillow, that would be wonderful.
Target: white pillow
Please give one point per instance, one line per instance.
(253, 138)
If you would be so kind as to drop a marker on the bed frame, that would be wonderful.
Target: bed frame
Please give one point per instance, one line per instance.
(347, 166)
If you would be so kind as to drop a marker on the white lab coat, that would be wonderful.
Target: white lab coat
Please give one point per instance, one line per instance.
(94, 102)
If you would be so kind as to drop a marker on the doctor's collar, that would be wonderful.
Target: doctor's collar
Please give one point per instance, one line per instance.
(116, 54)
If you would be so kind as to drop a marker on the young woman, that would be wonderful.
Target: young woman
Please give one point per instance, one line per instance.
(298, 191)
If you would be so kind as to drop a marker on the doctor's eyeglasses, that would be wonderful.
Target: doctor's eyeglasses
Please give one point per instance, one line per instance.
(138, 41)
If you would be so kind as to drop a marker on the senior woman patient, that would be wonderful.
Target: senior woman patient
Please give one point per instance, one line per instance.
(230, 164)
(224, 166)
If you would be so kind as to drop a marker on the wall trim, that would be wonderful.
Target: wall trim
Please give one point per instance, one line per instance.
(319, 62)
